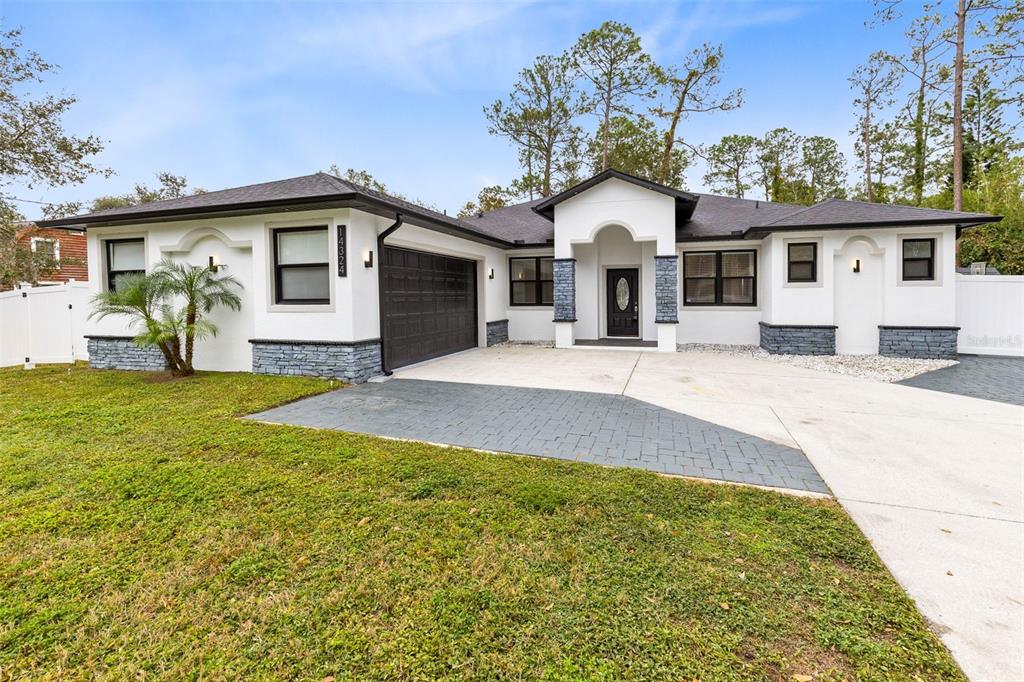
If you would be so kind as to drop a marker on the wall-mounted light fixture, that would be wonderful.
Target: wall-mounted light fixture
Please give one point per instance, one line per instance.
(856, 265)
(215, 263)
(490, 274)
(368, 259)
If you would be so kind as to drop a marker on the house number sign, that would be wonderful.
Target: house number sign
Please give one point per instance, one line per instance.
(342, 253)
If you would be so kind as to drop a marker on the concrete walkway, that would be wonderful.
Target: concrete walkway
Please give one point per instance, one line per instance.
(935, 480)
(611, 430)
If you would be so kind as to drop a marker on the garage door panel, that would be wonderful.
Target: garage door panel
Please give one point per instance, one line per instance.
(429, 305)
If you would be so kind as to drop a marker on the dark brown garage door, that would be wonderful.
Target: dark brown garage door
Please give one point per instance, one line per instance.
(429, 305)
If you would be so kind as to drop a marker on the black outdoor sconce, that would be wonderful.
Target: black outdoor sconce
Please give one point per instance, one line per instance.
(856, 265)
(368, 260)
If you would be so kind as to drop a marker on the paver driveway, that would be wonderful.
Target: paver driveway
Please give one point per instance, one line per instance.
(935, 480)
(989, 378)
(601, 428)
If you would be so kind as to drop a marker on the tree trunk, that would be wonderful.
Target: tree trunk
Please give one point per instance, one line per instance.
(920, 152)
(670, 141)
(190, 320)
(168, 356)
(867, 150)
(178, 366)
(607, 119)
(958, 108)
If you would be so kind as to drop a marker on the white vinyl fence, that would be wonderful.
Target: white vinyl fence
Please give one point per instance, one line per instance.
(43, 324)
(990, 312)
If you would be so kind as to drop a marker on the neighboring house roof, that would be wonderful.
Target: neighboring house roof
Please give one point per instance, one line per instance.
(698, 216)
(318, 190)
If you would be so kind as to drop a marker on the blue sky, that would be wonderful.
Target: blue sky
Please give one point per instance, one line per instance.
(233, 93)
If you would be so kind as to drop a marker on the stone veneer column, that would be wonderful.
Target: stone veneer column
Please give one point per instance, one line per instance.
(666, 300)
(565, 300)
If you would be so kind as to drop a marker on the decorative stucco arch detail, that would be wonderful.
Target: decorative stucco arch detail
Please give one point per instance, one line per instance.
(873, 248)
(613, 223)
(192, 237)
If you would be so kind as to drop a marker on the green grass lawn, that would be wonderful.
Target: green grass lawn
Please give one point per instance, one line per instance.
(145, 531)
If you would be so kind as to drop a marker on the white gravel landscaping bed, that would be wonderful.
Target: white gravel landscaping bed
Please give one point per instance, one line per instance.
(873, 367)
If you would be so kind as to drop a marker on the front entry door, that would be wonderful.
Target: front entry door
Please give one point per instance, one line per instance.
(623, 303)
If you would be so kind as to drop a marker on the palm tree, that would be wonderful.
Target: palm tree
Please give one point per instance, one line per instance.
(202, 289)
(149, 301)
(139, 298)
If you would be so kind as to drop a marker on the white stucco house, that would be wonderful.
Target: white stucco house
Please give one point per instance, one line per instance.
(340, 280)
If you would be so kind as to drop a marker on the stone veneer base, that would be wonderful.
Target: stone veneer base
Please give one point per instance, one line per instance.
(564, 285)
(931, 343)
(785, 339)
(497, 332)
(352, 361)
(121, 352)
(666, 289)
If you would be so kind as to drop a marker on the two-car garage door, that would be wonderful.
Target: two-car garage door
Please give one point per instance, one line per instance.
(429, 305)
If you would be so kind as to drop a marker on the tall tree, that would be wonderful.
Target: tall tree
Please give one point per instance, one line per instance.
(924, 64)
(997, 24)
(489, 198)
(540, 118)
(730, 164)
(169, 186)
(619, 71)
(987, 137)
(778, 162)
(635, 146)
(35, 149)
(688, 89)
(873, 84)
(825, 169)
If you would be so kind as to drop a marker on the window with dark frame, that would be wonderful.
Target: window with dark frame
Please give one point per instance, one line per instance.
(302, 271)
(124, 257)
(918, 259)
(802, 262)
(727, 278)
(531, 281)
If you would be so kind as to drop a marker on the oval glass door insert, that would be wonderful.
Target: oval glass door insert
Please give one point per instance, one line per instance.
(622, 294)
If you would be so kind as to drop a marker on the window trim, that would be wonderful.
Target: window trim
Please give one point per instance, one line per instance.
(48, 240)
(111, 273)
(537, 280)
(789, 263)
(930, 277)
(718, 279)
(277, 268)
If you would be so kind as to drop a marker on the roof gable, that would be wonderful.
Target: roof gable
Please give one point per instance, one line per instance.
(685, 201)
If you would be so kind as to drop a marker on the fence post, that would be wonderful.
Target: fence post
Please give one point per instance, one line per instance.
(29, 364)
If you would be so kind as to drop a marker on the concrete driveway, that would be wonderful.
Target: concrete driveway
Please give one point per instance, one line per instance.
(935, 480)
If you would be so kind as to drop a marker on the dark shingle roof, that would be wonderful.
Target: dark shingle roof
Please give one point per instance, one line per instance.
(700, 216)
(298, 192)
(516, 222)
(841, 212)
(721, 217)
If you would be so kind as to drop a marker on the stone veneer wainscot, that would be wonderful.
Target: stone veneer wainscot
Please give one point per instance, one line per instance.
(497, 332)
(353, 361)
(789, 339)
(933, 343)
(121, 352)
